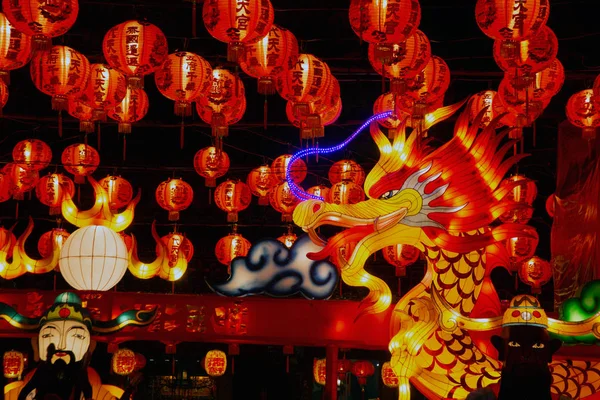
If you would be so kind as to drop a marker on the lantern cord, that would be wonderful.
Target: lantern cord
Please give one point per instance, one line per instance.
(99, 136)
(60, 130)
(534, 134)
(181, 133)
(265, 112)
(124, 147)
(16, 210)
(194, 12)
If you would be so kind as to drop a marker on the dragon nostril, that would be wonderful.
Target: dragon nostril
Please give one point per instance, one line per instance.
(316, 207)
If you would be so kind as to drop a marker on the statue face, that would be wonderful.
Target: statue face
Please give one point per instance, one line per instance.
(63, 340)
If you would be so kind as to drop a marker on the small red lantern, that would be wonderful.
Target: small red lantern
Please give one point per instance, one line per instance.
(521, 196)
(362, 370)
(84, 113)
(215, 363)
(132, 108)
(51, 239)
(176, 242)
(311, 126)
(530, 55)
(32, 154)
(50, 191)
(13, 363)
(135, 48)
(389, 102)
(174, 195)
(22, 180)
(502, 19)
(319, 190)
(211, 163)
(283, 200)
(426, 89)
(344, 366)
(401, 256)
(261, 181)
(80, 160)
(231, 246)
(521, 248)
(3, 95)
(346, 170)
(288, 239)
(298, 170)
(6, 186)
(489, 100)
(15, 49)
(233, 197)
(388, 376)
(106, 88)
(535, 272)
(123, 362)
(384, 22)
(119, 191)
(346, 192)
(582, 111)
(320, 371)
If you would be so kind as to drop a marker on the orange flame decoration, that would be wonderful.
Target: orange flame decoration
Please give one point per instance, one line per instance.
(100, 213)
(441, 201)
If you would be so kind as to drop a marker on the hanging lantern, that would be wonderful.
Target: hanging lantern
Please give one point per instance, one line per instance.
(237, 23)
(176, 242)
(346, 170)
(119, 191)
(174, 195)
(319, 190)
(181, 78)
(401, 256)
(261, 181)
(288, 239)
(132, 108)
(320, 371)
(32, 154)
(135, 48)
(6, 186)
(283, 200)
(3, 95)
(51, 240)
(521, 197)
(268, 57)
(388, 102)
(211, 163)
(392, 21)
(50, 191)
(535, 272)
(233, 197)
(80, 160)
(489, 100)
(15, 48)
(42, 20)
(231, 246)
(106, 89)
(344, 367)
(13, 363)
(215, 363)
(298, 170)
(311, 126)
(583, 112)
(501, 19)
(538, 87)
(521, 105)
(346, 192)
(61, 73)
(426, 89)
(7, 238)
(123, 362)
(521, 248)
(22, 180)
(84, 113)
(388, 376)
(362, 370)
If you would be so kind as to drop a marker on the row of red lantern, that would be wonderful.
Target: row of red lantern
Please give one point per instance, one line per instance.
(361, 369)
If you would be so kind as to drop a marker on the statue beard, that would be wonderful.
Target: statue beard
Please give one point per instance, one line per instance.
(63, 366)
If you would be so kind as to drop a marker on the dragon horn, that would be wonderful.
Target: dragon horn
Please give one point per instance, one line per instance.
(580, 328)
(130, 317)
(17, 320)
(451, 320)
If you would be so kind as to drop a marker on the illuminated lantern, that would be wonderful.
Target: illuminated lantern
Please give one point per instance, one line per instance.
(426, 89)
(215, 363)
(140, 361)
(176, 242)
(346, 192)
(233, 197)
(388, 102)
(41, 20)
(388, 376)
(320, 371)
(22, 180)
(521, 248)
(521, 105)
(127, 239)
(47, 242)
(288, 239)
(507, 19)
(535, 272)
(123, 362)
(61, 73)
(181, 78)
(119, 191)
(268, 57)
(84, 113)
(362, 370)
(3, 95)
(489, 100)
(106, 88)
(298, 170)
(392, 21)
(260, 181)
(13, 363)
(346, 170)
(211, 163)
(32, 154)
(315, 121)
(237, 22)
(50, 191)
(283, 200)
(401, 256)
(174, 195)
(93, 258)
(135, 48)
(319, 190)
(80, 160)
(521, 196)
(344, 367)
(231, 246)
(132, 108)
(7, 237)
(6, 186)
(15, 49)
(582, 111)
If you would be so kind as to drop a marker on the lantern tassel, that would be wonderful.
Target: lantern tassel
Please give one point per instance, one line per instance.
(232, 217)
(60, 130)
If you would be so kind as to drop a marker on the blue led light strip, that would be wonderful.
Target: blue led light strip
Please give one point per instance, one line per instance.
(298, 191)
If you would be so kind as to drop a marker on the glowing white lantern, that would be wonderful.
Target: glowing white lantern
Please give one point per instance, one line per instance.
(93, 258)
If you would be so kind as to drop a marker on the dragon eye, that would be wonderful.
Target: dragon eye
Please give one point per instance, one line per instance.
(514, 344)
(389, 194)
(538, 346)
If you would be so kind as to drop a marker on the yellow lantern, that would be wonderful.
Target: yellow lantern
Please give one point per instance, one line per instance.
(388, 376)
(320, 370)
(123, 362)
(13, 363)
(215, 363)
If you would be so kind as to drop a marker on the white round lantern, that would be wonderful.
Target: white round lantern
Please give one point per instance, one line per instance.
(93, 258)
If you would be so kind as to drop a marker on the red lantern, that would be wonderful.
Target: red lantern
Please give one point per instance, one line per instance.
(3, 95)
(233, 197)
(231, 246)
(283, 200)
(51, 239)
(215, 363)
(119, 191)
(261, 181)
(32, 154)
(123, 362)
(401, 256)
(22, 180)
(298, 170)
(582, 111)
(521, 197)
(176, 242)
(7, 238)
(346, 192)
(521, 248)
(288, 239)
(507, 19)
(13, 364)
(310, 129)
(535, 272)
(106, 88)
(344, 366)
(50, 191)
(15, 49)
(362, 370)
(388, 376)
(320, 371)
(181, 78)
(388, 102)
(319, 190)
(522, 107)
(174, 195)
(237, 23)
(489, 100)
(61, 73)
(136, 48)
(132, 108)
(268, 57)
(384, 22)
(6, 186)
(426, 89)
(42, 20)
(80, 160)
(211, 163)
(346, 170)
(84, 113)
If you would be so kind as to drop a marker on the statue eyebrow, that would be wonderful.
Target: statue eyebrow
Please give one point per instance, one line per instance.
(75, 327)
(49, 326)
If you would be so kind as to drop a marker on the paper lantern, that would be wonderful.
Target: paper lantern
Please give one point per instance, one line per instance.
(215, 363)
(176, 242)
(311, 126)
(401, 256)
(425, 89)
(319, 190)
(3, 95)
(279, 167)
(535, 272)
(80, 160)
(84, 113)
(237, 23)
(261, 181)
(123, 362)
(521, 105)
(392, 21)
(181, 78)
(521, 197)
(346, 192)
(582, 111)
(320, 371)
(7, 238)
(32, 154)
(288, 239)
(488, 100)
(13, 363)
(344, 367)
(388, 102)
(346, 170)
(283, 200)
(362, 370)
(50, 191)
(270, 56)
(388, 376)
(6, 186)
(119, 191)
(233, 197)
(15, 48)
(231, 246)
(135, 48)
(93, 258)
(61, 73)
(50, 240)
(42, 20)
(22, 180)
(507, 19)
(106, 89)
(211, 163)
(521, 248)
(174, 195)
(132, 108)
